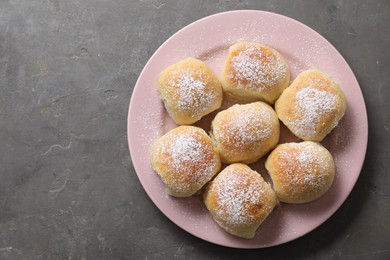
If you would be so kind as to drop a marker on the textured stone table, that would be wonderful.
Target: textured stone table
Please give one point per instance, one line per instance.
(68, 189)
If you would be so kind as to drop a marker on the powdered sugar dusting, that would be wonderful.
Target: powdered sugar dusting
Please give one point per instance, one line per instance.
(303, 166)
(248, 127)
(255, 69)
(190, 93)
(189, 160)
(309, 53)
(313, 104)
(237, 194)
(185, 149)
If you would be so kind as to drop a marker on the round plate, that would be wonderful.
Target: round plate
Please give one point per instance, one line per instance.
(209, 39)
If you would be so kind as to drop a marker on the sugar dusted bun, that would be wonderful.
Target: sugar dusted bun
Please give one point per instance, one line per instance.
(189, 90)
(239, 200)
(254, 72)
(311, 106)
(185, 159)
(245, 133)
(300, 172)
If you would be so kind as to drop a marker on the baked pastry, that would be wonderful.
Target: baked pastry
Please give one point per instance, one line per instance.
(254, 72)
(300, 172)
(245, 133)
(185, 159)
(311, 106)
(239, 200)
(189, 90)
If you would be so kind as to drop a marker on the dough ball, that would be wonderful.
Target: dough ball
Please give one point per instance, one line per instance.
(311, 106)
(185, 159)
(245, 133)
(255, 72)
(300, 172)
(239, 200)
(189, 90)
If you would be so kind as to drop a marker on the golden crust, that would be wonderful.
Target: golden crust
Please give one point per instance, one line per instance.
(245, 133)
(239, 200)
(185, 159)
(300, 172)
(255, 72)
(189, 90)
(311, 106)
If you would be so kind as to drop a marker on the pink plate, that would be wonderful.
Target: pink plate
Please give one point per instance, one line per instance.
(209, 39)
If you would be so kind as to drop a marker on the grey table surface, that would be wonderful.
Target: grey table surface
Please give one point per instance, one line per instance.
(68, 189)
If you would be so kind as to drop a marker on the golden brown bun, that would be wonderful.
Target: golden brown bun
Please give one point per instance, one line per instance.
(239, 200)
(245, 133)
(300, 172)
(254, 72)
(312, 106)
(189, 90)
(185, 159)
